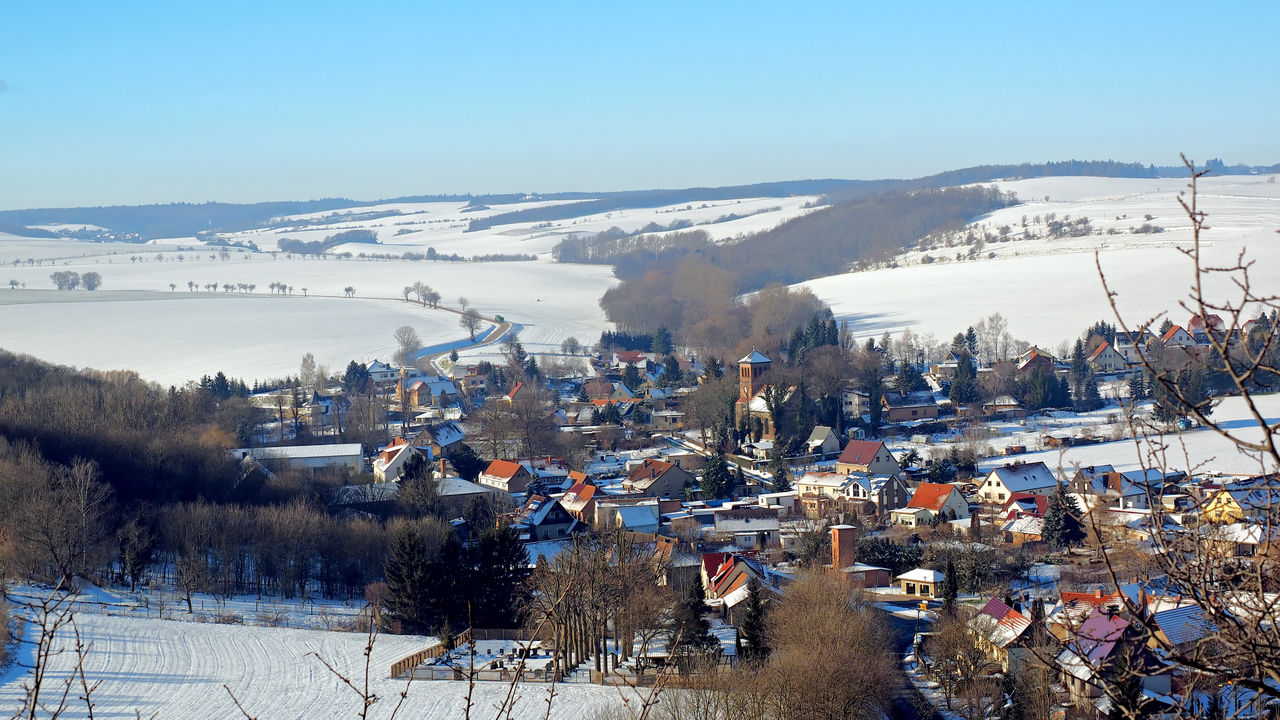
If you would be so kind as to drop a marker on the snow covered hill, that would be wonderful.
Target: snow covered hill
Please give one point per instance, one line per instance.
(1048, 288)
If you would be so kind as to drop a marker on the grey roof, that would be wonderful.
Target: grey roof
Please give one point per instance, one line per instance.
(288, 452)
(1183, 625)
(755, 357)
(1025, 476)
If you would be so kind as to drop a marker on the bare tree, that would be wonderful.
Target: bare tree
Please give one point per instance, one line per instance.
(409, 343)
(470, 321)
(463, 302)
(1235, 595)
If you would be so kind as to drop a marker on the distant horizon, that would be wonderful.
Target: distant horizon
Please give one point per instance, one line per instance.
(481, 194)
(244, 102)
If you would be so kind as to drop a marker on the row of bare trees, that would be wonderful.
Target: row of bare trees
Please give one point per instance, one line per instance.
(603, 587)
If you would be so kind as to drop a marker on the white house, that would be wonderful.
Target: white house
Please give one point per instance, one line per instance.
(1003, 481)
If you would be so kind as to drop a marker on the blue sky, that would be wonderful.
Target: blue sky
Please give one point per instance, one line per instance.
(107, 103)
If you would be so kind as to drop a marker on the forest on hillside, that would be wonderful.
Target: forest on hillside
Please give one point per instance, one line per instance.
(691, 288)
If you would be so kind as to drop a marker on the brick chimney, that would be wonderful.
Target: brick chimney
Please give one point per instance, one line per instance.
(844, 546)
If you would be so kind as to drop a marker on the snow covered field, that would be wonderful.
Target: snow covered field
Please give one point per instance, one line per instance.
(177, 669)
(1197, 450)
(443, 225)
(1049, 290)
(173, 336)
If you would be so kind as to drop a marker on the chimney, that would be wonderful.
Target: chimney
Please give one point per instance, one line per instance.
(844, 546)
(1097, 592)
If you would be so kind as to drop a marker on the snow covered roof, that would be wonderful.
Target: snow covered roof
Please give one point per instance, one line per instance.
(1025, 477)
(1183, 625)
(755, 357)
(286, 452)
(999, 624)
(1025, 525)
(922, 575)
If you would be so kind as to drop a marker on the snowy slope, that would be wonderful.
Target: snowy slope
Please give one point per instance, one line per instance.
(1049, 290)
(177, 670)
(1197, 450)
(177, 336)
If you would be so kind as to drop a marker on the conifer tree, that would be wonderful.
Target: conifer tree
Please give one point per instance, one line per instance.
(950, 587)
(407, 580)
(752, 630)
(1062, 520)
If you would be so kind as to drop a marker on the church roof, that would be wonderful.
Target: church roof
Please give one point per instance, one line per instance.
(755, 358)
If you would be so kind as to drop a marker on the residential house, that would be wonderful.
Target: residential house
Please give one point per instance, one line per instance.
(580, 501)
(1240, 502)
(1002, 633)
(1011, 478)
(507, 476)
(754, 527)
(1102, 486)
(640, 517)
(657, 478)
(1200, 328)
(867, 456)
(1003, 406)
(908, 407)
(822, 494)
(1177, 337)
(542, 518)
(822, 442)
(929, 502)
(1024, 504)
(946, 370)
(390, 462)
(380, 372)
(1089, 659)
(920, 582)
(1023, 530)
(854, 404)
(1104, 360)
(1035, 358)
(1131, 346)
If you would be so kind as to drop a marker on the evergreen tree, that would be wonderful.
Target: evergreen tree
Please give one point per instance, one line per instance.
(971, 341)
(781, 470)
(661, 342)
(715, 478)
(500, 564)
(408, 586)
(582, 394)
(950, 586)
(689, 632)
(964, 386)
(465, 461)
(631, 378)
(1062, 526)
(752, 631)
(671, 371)
(1137, 387)
(713, 369)
(419, 493)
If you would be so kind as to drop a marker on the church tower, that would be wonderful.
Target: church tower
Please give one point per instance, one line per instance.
(750, 370)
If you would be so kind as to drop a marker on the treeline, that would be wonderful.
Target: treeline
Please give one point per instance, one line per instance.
(147, 442)
(615, 247)
(608, 202)
(316, 247)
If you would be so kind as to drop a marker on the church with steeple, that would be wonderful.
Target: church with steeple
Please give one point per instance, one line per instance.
(750, 404)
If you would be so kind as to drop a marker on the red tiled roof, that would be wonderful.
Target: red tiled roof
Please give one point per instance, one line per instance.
(511, 395)
(1169, 335)
(1099, 350)
(503, 469)
(860, 452)
(931, 496)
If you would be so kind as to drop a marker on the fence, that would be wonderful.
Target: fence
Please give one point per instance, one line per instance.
(408, 663)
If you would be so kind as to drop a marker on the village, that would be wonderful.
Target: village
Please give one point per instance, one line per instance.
(922, 495)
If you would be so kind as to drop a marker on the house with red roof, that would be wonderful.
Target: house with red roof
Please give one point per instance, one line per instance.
(1177, 337)
(930, 501)
(867, 456)
(1104, 360)
(1002, 633)
(1035, 358)
(657, 478)
(507, 476)
(580, 500)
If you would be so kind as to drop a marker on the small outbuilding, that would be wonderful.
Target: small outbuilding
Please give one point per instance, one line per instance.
(920, 582)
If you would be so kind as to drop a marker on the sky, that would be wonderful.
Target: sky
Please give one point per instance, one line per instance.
(126, 103)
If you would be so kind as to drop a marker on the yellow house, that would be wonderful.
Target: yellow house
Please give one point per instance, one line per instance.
(1231, 505)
